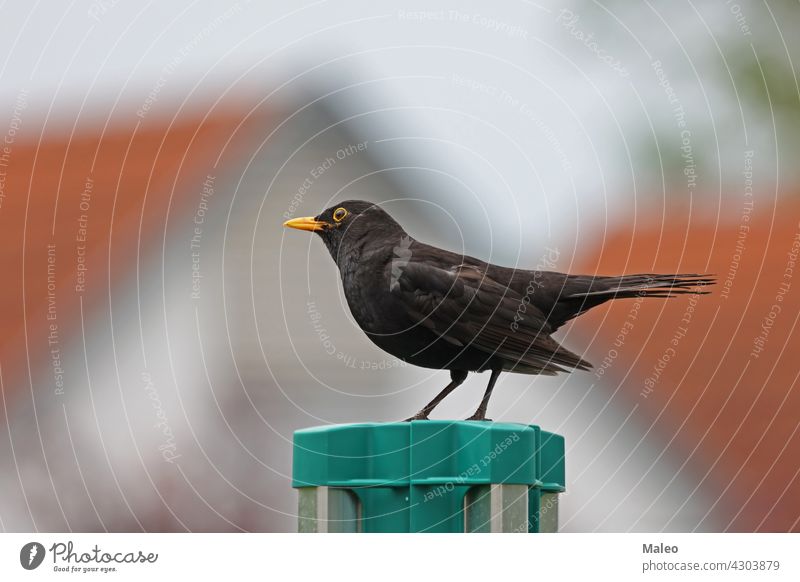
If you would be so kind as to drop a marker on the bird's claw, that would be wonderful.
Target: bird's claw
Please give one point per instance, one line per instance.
(418, 416)
(480, 417)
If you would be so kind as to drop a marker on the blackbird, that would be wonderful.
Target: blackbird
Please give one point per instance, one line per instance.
(442, 310)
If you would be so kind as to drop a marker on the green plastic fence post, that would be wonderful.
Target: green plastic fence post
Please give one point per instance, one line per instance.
(428, 476)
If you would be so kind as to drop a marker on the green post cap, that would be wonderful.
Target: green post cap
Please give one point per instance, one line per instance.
(413, 476)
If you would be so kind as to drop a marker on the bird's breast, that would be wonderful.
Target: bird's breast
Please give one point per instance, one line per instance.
(367, 290)
(377, 311)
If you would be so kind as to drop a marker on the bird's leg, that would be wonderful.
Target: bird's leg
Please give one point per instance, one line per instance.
(457, 377)
(480, 414)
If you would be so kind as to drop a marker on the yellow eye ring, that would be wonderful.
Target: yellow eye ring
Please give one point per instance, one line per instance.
(339, 214)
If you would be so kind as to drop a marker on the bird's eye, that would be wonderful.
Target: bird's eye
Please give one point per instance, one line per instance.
(339, 214)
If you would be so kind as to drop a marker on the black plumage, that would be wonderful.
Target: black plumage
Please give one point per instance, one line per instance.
(438, 309)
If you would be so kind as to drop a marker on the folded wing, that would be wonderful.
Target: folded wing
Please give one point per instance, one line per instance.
(465, 307)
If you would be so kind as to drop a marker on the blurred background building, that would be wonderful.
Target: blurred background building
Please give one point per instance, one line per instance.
(162, 335)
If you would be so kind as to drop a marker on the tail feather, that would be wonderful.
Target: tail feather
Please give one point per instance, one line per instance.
(582, 292)
(645, 285)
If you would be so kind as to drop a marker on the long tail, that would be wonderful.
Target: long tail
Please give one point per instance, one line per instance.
(582, 292)
(643, 285)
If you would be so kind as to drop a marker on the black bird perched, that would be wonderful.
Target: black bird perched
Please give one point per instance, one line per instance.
(437, 309)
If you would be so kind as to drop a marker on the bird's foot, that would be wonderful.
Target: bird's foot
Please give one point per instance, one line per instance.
(421, 415)
(482, 417)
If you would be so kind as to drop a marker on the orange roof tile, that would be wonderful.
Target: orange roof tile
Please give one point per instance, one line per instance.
(714, 373)
(78, 211)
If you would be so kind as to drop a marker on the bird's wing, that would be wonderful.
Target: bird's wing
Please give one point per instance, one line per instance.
(464, 307)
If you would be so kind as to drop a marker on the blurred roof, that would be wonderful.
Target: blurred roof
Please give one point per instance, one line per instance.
(79, 210)
(714, 376)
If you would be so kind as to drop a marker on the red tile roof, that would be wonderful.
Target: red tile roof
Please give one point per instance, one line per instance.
(78, 212)
(716, 376)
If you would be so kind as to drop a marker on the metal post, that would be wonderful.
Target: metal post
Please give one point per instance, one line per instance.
(327, 510)
(497, 509)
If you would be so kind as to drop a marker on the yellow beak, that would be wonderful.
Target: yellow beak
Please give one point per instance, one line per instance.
(306, 223)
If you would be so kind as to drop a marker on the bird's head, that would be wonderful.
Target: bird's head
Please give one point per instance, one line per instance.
(347, 225)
